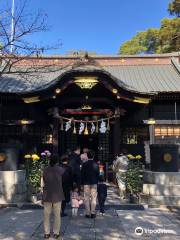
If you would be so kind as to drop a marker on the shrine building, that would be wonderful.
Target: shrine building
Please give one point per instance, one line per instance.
(110, 104)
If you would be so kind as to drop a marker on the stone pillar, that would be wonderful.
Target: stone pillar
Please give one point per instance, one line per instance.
(55, 133)
(13, 187)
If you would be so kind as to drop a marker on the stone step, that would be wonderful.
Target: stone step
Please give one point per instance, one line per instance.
(160, 200)
(164, 178)
(161, 190)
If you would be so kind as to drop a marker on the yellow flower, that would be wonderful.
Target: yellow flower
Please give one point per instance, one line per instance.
(27, 156)
(35, 157)
(130, 156)
(138, 157)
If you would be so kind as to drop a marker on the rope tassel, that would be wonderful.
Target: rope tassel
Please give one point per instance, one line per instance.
(74, 130)
(86, 130)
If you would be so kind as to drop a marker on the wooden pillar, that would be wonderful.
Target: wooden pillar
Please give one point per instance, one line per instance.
(116, 137)
(25, 138)
(151, 126)
(55, 133)
(0, 112)
(152, 134)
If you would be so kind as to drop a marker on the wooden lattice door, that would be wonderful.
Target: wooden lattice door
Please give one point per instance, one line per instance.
(103, 148)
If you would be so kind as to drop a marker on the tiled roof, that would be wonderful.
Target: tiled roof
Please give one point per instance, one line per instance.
(142, 78)
(21, 83)
(151, 78)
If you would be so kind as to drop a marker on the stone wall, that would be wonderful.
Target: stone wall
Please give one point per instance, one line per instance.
(161, 188)
(13, 187)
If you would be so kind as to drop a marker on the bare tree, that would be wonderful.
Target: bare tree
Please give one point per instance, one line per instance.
(15, 41)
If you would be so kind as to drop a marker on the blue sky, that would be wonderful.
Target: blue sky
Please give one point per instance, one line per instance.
(97, 25)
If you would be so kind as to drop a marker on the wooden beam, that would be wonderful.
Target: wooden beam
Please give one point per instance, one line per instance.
(116, 137)
(87, 101)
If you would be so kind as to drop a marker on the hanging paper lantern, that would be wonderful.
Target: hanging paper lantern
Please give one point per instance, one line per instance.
(93, 128)
(81, 129)
(68, 125)
(86, 130)
(103, 127)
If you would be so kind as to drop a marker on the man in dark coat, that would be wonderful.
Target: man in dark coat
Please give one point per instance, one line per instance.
(89, 177)
(52, 196)
(67, 182)
(75, 163)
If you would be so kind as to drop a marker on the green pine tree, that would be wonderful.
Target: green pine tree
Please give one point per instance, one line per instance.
(174, 8)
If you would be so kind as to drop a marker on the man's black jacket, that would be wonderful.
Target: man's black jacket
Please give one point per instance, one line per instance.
(89, 173)
(75, 162)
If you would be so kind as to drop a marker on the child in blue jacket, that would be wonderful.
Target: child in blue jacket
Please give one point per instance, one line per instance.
(102, 193)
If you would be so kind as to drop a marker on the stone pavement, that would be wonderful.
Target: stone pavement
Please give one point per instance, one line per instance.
(116, 224)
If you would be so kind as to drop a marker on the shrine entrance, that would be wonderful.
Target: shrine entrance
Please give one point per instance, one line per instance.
(92, 99)
(91, 105)
(86, 130)
(91, 142)
(101, 144)
(51, 118)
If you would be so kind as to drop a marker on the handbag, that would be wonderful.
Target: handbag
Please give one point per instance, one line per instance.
(40, 197)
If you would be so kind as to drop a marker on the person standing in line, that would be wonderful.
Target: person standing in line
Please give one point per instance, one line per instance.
(68, 152)
(75, 164)
(101, 169)
(102, 193)
(84, 156)
(67, 182)
(52, 197)
(120, 166)
(89, 176)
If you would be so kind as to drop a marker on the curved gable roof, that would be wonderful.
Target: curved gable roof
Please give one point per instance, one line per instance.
(141, 75)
